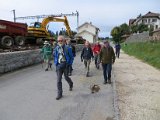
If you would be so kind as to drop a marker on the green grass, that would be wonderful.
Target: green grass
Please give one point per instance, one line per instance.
(147, 52)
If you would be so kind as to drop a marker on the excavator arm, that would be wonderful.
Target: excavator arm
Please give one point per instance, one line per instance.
(56, 19)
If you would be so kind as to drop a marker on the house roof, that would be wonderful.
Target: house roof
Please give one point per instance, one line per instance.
(148, 15)
(84, 32)
(131, 21)
(151, 14)
(88, 24)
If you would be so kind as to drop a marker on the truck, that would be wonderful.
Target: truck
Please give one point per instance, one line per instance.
(18, 34)
(12, 33)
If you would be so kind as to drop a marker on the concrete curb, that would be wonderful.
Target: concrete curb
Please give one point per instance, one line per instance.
(115, 99)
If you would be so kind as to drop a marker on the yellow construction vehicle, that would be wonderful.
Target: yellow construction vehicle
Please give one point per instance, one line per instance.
(38, 32)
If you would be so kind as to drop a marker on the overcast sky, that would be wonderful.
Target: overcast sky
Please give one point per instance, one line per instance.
(104, 14)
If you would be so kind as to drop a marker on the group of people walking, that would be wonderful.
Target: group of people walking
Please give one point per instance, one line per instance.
(64, 54)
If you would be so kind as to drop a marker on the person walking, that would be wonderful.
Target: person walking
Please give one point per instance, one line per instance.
(117, 49)
(96, 51)
(86, 55)
(62, 58)
(46, 51)
(107, 58)
(68, 45)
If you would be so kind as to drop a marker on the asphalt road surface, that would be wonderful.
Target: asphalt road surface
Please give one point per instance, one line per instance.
(29, 94)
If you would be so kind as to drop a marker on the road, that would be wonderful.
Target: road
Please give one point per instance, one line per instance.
(138, 86)
(29, 94)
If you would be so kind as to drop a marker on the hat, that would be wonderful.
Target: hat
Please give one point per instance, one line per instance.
(46, 42)
(105, 42)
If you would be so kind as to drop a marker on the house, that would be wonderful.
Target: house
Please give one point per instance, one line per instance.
(150, 19)
(88, 32)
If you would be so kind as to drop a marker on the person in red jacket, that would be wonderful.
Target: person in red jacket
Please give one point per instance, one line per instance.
(96, 51)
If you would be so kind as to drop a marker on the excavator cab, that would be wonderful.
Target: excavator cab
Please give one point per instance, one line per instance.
(35, 25)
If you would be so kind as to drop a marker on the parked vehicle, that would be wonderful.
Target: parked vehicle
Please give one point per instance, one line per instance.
(12, 33)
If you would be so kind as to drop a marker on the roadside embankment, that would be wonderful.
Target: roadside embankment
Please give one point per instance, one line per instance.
(15, 60)
(148, 52)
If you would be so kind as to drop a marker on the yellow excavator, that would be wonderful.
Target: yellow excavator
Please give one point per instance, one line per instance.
(38, 32)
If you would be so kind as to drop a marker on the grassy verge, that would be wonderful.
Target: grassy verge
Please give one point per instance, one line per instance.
(148, 52)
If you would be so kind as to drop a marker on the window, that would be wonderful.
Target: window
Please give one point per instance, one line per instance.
(154, 20)
(149, 20)
(156, 26)
(144, 21)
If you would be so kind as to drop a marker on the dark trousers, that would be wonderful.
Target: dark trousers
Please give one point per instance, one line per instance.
(117, 53)
(69, 69)
(60, 72)
(107, 71)
(96, 59)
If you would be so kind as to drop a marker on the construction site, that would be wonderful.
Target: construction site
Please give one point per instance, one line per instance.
(17, 36)
(42, 53)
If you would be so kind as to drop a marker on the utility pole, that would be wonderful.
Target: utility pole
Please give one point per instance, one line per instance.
(77, 18)
(14, 15)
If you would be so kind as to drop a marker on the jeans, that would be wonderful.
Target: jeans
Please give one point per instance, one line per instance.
(107, 71)
(97, 60)
(60, 72)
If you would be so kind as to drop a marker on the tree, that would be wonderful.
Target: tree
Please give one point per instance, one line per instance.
(57, 33)
(60, 32)
(124, 29)
(142, 27)
(134, 28)
(116, 34)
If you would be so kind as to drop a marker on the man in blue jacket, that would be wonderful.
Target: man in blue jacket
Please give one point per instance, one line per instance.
(63, 57)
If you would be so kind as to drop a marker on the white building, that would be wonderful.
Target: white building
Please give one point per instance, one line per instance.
(150, 19)
(88, 32)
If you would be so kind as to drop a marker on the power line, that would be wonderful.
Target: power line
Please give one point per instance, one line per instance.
(51, 15)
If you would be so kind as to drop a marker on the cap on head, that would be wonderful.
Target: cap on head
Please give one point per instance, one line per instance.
(46, 42)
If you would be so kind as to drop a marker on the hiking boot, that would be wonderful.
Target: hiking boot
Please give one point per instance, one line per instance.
(59, 97)
(71, 87)
(97, 66)
(105, 82)
(46, 69)
(87, 75)
(69, 74)
(109, 81)
(50, 65)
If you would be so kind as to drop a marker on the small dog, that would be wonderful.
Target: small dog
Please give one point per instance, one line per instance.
(94, 88)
